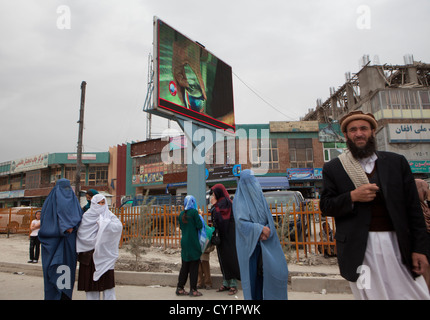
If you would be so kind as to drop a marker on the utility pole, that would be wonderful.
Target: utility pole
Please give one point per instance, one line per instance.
(81, 131)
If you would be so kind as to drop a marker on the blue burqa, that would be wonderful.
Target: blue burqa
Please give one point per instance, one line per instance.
(251, 214)
(61, 211)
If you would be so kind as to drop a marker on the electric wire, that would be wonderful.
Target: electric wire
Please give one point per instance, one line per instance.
(264, 100)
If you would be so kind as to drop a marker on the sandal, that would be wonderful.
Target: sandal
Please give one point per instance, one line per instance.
(195, 293)
(223, 288)
(232, 291)
(181, 292)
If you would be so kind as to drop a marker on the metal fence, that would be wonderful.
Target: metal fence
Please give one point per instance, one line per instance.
(302, 231)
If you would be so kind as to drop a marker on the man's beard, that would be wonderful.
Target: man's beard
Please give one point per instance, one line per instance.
(362, 152)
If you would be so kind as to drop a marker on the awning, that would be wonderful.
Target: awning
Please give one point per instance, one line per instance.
(273, 183)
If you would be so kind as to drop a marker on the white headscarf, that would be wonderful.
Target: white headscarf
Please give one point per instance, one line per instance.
(100, 230)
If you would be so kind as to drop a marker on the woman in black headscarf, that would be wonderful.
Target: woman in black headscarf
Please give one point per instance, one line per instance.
(223, 221)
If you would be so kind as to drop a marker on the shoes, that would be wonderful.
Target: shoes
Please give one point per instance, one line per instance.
(192, 293)
(232, 291)
(32, 261)
(181, 292)
(195, 293)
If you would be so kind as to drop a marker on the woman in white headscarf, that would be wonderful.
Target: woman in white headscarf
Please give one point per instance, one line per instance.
(97, 245)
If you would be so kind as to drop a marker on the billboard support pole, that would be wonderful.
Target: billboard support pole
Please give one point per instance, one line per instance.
(196, 172)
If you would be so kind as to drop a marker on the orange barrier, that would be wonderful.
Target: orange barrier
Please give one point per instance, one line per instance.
(305, 231)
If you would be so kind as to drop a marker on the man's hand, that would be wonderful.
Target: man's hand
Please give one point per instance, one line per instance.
(364, 193)
(419, 263)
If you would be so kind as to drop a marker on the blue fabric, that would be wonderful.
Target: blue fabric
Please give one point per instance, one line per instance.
(205, 234)
(190, 203)
(256, 278)
(251, 214)
(60, 212)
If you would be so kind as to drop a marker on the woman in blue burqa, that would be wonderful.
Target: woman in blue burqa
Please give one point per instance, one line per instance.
(263, 268)
(61, 215)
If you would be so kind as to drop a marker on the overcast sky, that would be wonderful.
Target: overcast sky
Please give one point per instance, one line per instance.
(289, 52)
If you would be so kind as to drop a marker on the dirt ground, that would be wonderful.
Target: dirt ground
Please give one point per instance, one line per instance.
(154, 259)
(159, 259)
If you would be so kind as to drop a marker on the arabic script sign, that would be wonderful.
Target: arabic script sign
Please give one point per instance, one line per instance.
(29, 163)
(409, 132)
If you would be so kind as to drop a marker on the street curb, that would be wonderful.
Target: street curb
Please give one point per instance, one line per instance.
(298, 282)
(329, 284)
(121, 277)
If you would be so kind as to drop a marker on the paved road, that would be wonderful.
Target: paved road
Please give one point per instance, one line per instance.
(25, 287)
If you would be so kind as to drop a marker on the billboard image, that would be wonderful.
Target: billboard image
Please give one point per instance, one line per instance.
(192, 82)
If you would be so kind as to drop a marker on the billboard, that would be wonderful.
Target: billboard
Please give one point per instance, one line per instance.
(190, 81)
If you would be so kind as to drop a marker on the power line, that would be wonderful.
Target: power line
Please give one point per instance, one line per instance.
(259, 96)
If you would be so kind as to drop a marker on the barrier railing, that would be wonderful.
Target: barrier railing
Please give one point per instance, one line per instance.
(304, 230)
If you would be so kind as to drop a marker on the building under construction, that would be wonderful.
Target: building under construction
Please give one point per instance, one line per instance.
(399, 98)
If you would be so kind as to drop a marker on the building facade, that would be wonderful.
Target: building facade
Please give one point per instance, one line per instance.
(399, 98)
(28, 181)
(283, 155)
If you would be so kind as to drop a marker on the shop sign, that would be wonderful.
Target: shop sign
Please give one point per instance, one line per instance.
(29, 163)
(420, 166)
(304, 173)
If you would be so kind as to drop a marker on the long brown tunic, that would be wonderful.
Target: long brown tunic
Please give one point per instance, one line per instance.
(86, 271)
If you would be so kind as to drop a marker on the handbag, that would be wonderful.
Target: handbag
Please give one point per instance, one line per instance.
(216, 240)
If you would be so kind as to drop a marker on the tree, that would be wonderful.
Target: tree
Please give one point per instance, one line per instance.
(142, 231)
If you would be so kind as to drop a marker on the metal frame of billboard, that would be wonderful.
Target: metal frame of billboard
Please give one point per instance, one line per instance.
(196, 175)
(170, 110)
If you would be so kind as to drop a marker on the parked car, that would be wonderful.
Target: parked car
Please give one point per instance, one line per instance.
(288, 201)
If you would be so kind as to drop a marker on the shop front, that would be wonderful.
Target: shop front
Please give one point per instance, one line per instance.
(306, 180)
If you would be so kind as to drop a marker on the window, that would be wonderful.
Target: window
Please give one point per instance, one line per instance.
(32, 179)
(265, 156)
(55, 174)
(425, 99)
(333, 150)
(97, 176)
(401, 103)
(395, 99)
(70, 173)
(413, 100)
(301, 153)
